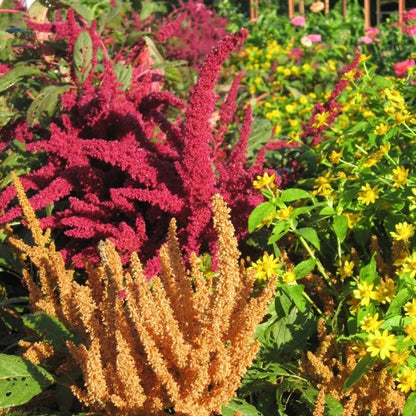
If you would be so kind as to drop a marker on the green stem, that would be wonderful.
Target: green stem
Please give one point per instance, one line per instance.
(313, 304)
(318, 265)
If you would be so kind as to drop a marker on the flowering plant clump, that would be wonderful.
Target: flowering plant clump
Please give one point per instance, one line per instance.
(121, 154)
(352, 215)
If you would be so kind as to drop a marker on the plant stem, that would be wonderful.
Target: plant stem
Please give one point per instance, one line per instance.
(318, 265)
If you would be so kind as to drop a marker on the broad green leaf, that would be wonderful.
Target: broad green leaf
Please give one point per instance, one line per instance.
(368, 273)
(239, 405)
(296, 294)
(261, 131)
(341, 227)
(327, 211)
(50, 329)
(124, 74)
(304, 267)
(410, 405)
(260, 213)
(153, 51)
(83, 50)
(363, 366)
(20, 380)
(294, 194)
(16, 74)
(310, 235)
(45, 103)
(150, 7)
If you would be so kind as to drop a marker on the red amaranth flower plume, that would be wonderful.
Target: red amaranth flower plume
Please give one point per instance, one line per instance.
(121, 162)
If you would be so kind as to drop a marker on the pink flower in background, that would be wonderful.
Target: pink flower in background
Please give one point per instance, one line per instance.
(410, 30)
(298, 21)
(314, 38)
(372, 32)
(409, 15)
(400, 68)
(296, 53)
(305, 41)
(365, 39)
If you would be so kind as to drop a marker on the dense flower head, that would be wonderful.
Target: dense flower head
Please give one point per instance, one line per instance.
(298, 21)
(402, 68)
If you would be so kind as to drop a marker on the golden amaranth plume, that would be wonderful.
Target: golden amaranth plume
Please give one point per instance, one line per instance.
(183, 341)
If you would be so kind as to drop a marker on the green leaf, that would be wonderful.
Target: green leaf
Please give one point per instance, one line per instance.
(296, 294)
(83, 50)
(309, 234)
(20, 380)
(50, 329)
(304, 267)
(279, 230)
(294, 194)
(124, 74)
(45, 103)
(409, 408)
(341, 227)
(258, 214)
(16, 74)
(239, 405)
(261, 131)
(363, 366)
(368, 273)
(396, 305)
(150, 7)
(153, 51)
(327, 211)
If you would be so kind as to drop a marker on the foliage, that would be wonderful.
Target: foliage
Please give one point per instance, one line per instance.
(352, 214)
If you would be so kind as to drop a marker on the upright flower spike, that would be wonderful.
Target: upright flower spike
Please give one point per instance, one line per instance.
(199, 184)
(139, 353)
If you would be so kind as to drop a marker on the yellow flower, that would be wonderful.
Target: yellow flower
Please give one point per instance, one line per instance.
(403, 231)
(410, 308)
(335, 157)
(284, 213)
(381, 129)
(349, 76)
(353, 218)
(409, 265)
(289, 277)
(346, 270)
(364, 293)
(370, 323)
(410, 330)
(322, 185)
(407, 380)
(265, 181)
(397, 360)
(320, 119)
(266, 267)
(412, 200)
(354, 304)
(381, 344)
(400, 176)
(368, 195)
(385, 291)
(372, 160)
